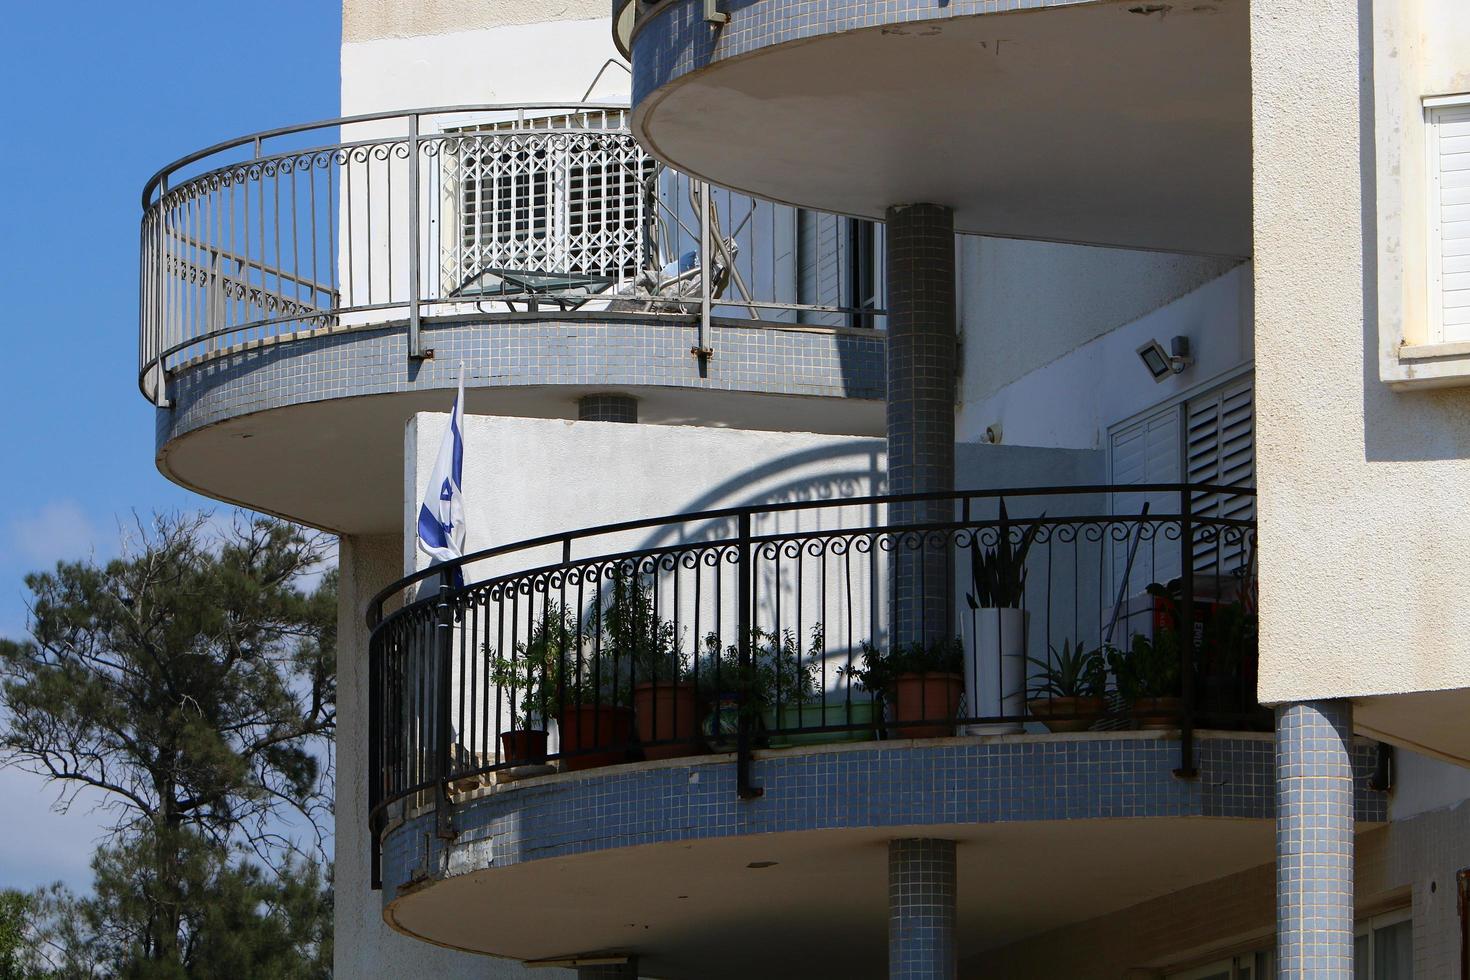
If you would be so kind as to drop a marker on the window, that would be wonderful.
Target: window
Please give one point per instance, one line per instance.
(1448, 130)
(1383, 948)
(1248, 966)
(563, 196)
(862, 269)
(839, 266)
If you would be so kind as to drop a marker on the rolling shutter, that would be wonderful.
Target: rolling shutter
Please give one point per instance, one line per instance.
(1449, 176)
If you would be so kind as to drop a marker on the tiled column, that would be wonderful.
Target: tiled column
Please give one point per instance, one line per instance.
(921, 909)
(610, 971)
(1314, 841)
(607, 407)
(921, 392)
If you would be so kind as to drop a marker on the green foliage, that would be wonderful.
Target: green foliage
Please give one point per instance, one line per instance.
(16, 940)
(634, 634)
(1149, 668)
(238, 920)
(780, 669)
(998, 575)
(1071, 672)
(533, 670)
(880, 670)
(191, 683)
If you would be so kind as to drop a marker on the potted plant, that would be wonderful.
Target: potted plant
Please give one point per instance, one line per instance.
(1068, 688)
(522, 680)
(665, 703)
(592, 695)
(920, 684)
(995, 664)
(1149, 678)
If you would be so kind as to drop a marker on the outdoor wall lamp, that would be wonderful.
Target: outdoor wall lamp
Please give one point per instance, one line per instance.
(1160, 363)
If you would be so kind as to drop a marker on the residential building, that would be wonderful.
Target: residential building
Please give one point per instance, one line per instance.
(968, 488)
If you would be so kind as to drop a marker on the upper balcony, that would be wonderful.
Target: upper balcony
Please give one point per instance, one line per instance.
(1107, 122)
(306, 290)
(686, 732)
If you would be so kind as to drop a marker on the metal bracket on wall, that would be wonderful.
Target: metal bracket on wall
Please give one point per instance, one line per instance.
(712, 14)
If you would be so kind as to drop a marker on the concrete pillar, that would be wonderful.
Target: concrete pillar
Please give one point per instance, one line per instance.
(921, 909)
(610, 971)
(1314, 841)
(921, 394)
(607, 407)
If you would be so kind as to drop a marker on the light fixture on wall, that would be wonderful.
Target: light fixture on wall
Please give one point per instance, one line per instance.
(1161, 363)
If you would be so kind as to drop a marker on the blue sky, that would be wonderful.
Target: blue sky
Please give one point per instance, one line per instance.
(96, 96)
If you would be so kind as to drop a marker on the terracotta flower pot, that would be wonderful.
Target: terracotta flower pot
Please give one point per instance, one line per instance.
(1079, 713)
(1157, 714)
(666, 713)
(587, 728)
(523, 746)
(929, 698)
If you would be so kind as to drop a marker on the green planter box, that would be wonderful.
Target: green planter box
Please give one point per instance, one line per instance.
(810, 716)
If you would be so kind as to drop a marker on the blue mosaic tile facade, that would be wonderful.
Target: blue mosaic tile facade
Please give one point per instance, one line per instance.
(1315, 783)
(675, 39)
(874, 785)
(922, 886)
(580, 350)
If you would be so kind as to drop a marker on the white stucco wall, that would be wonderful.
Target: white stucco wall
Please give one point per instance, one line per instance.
(553, 61)
(1364, 489)
(364, 947)
(1071, 401)
(1025, 304)
(528, 477)
(367, 20)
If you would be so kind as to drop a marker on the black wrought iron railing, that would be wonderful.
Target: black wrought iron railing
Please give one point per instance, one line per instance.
(913, 616)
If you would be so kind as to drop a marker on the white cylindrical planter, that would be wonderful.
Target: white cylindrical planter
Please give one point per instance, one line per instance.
(995, 669)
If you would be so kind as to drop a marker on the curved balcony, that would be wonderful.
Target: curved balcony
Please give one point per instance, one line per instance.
(365, 258)
(1103, 122)
(789, 684)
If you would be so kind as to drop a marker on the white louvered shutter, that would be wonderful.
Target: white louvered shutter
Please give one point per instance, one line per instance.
(1145, 451)
(1449, 221)
(1220, 447)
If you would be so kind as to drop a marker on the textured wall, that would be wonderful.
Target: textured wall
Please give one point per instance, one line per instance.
(367, 20)
(531, 59)
(365, 948)
(1364, 490)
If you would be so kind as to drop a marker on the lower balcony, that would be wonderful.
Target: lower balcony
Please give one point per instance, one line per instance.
(682, 732)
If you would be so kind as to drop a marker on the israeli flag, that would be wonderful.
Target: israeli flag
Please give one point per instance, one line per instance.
(441, 515)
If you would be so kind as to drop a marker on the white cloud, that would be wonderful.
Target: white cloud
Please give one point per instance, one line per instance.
(39, 845)
(59, 530)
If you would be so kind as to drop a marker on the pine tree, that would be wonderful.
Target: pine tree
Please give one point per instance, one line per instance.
(191, 683)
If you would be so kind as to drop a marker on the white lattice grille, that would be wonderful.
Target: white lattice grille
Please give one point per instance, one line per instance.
(557, 195)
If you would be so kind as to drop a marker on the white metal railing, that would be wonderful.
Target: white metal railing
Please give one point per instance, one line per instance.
(392, 219)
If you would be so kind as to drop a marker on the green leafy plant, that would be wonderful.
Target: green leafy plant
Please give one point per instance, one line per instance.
(531, 674)
(1149, 667)
(778, 670)
(635, 636)
(880, 669)
(1071, 672)
(998, 575)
